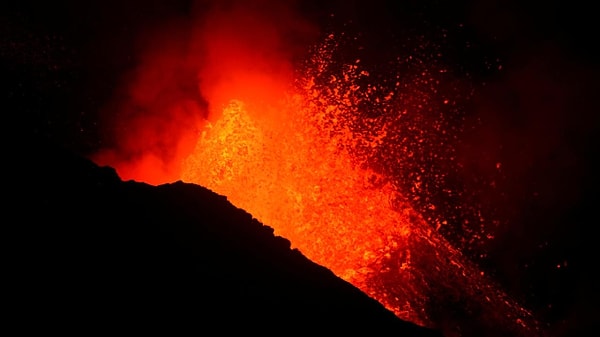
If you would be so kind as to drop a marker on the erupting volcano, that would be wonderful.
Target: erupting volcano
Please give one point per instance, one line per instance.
(353, 160)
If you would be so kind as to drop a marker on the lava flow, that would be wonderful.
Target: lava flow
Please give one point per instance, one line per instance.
(300, 157)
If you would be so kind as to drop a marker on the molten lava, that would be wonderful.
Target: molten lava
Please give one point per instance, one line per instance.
(292, 177)
(300, 159)
(294, 163)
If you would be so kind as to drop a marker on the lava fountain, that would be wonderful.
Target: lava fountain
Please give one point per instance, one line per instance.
(297, 149)
(307, 175)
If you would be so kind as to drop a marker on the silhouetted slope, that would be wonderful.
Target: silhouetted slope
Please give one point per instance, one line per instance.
(95, 253)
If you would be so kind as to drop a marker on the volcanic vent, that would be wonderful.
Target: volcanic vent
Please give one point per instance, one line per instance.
(349, 157)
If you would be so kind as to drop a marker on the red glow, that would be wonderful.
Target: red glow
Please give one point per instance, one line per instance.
(225, 108)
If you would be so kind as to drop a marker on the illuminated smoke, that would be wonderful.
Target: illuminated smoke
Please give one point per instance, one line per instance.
(350, 165)
(188, 68)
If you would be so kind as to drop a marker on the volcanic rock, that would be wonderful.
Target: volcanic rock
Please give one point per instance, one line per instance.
(93, 253)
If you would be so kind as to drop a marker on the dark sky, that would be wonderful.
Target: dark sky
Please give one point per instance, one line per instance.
(534, 65)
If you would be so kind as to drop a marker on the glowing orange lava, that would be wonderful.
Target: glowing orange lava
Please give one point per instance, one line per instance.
(294, 157)
(292, 164)
(293, 178)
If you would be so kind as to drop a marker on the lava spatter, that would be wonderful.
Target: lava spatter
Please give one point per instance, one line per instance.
(308, 176)
(351, 162)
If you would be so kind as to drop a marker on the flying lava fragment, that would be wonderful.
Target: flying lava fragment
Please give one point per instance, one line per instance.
(317, 150)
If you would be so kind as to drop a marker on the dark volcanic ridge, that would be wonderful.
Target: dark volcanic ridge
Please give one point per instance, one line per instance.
(93, 253)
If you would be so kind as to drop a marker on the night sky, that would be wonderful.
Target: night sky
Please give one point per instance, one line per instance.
(530, 71)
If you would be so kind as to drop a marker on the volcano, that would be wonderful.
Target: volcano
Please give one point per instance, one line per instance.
(98, 254)
(301, 165)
